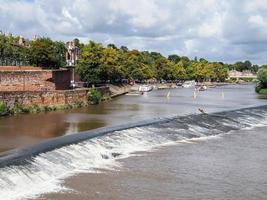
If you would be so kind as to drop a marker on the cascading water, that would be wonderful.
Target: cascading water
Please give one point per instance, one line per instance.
(45, 172)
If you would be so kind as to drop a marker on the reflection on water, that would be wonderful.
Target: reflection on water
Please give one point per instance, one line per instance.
(22, 130)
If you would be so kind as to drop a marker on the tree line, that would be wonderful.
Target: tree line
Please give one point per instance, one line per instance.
(99, 64)
(42, 52)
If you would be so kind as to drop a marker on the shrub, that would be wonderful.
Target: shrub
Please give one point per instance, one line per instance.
(263, 91)
(94, 96)
(4, 109)
(17, 109)
(262, 77)
(78, 104)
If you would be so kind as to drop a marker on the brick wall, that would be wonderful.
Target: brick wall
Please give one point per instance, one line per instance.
(57, 97)
(33, 79)
(44, 98)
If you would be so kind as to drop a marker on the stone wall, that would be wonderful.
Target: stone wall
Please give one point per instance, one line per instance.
(31, 79)
(44, 97)
(57, 97)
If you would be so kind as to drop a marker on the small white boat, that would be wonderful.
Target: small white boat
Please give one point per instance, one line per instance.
(145, 88)
(189, 84)
(201, 88)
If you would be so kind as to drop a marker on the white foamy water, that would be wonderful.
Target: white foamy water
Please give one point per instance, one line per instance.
(46, 173)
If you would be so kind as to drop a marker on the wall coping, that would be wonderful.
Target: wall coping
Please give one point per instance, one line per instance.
(28, 69)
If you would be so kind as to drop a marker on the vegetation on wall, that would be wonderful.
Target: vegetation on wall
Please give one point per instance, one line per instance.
(94, 96)
(23, 109)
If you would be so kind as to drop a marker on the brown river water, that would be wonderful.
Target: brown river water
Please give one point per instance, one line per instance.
(217, 156)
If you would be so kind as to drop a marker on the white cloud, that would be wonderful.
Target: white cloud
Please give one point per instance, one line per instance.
(226, 30)
(257, 21)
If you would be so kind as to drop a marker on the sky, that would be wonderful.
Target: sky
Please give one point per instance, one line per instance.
(218, 30)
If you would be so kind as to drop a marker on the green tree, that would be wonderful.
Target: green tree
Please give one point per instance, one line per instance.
(174, 58)
(111, 67)
(89, 63)
(45, 53)
(262, 77)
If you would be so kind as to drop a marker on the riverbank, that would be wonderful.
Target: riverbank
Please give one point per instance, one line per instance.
(162, 86)
(12, 103)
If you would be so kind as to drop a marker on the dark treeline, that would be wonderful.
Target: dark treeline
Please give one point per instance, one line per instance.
(98, 64)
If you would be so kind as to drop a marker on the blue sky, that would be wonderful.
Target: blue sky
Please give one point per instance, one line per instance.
(219, 30)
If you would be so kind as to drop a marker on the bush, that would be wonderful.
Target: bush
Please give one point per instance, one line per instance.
(262, 77)
(17, 109)
(94, 96)
(78, 104)
(263, 91)
(4, 109)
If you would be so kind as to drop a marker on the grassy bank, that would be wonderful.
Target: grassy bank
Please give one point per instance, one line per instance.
(6, 110)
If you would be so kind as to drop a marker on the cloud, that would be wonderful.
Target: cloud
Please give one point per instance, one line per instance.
(225, 30)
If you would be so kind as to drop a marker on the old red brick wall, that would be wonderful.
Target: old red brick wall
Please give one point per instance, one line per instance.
(44, 98)
(33, 79)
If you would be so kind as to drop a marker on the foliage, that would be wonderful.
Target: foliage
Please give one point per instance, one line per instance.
(45, 53)
(89, 63)
(3, 108)
(94, 96)
(99, 64)
(246, 65)
(42, 52)
(262, 77)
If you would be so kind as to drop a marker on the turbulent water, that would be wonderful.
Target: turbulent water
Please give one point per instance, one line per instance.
(45, 173)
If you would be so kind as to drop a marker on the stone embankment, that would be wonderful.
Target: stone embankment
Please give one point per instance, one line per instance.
(59, 97)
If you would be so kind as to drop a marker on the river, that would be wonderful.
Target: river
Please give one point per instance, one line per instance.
(191, 156)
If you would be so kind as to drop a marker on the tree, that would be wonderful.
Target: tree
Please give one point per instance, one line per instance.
(111, 66)
(45, 53)
(90, 62)
(59, 50)
(262, 77)
(174, 58)
(124, 49)
(113, 46)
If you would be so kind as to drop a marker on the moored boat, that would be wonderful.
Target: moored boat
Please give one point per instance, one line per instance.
(189, 84)
(145, 88)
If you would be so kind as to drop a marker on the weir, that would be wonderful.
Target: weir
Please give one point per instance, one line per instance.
(210, 121)
(29, 172)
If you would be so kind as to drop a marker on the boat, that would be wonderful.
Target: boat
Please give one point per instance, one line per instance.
(189, 84)
(145, 88)
(201, 88)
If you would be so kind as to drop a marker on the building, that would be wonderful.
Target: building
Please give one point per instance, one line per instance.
(22, 41)
(243, 74)
(72, 54)
(72, 57)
